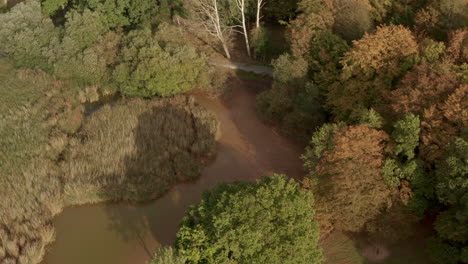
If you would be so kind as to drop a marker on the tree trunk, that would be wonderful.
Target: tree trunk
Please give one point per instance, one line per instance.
(259, 6)
(226, 50)
(244, 27)
(220, 30)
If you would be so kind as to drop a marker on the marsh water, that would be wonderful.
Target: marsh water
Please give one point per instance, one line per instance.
(120, 233)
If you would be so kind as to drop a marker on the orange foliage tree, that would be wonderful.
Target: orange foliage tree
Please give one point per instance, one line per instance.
(370, 67)
(442, 122)
(421, 88)
(351, 189)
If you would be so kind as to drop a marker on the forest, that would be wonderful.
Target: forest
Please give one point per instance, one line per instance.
(104, 101)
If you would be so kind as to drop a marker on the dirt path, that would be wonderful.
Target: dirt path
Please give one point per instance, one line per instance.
(258, 69)
(129, 233)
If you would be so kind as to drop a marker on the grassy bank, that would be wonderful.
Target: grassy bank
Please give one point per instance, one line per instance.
(50, 156)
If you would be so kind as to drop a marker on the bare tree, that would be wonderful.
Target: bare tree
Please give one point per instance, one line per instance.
(241, 6)
(260, 4)
(206, 14)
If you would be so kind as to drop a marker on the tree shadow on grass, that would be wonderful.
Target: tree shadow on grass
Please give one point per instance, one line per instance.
(172, 143)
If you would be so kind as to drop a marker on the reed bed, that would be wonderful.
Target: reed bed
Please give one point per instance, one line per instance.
(50, 156)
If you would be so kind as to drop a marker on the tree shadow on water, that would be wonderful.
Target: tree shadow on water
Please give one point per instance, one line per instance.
(172, 141)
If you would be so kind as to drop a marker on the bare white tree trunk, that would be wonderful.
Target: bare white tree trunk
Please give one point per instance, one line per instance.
(219, 30)
(206, 16)
(260, 4)
(241, 6)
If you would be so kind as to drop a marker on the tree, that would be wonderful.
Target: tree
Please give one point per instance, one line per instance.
(260, 5)
(315, 15)
(370, 68)
(401, 165)
(452, 190)
(326, 50)
(293, 101)
(25, 35)
(458, 46)
(50, 7)
(146, 69)
(241, 5)
(352, 18)
(422, 88)
(207, 16)
(346, 174)
(74, 57)
(442, 122)
(270, 221)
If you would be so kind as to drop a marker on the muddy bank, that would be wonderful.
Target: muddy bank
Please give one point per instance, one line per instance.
(129, 233)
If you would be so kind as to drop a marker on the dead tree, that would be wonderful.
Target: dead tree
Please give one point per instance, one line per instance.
(243, 24)
(206, 14)
(260, 4)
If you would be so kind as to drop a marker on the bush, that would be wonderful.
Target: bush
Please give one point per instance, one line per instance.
(261, 43)
(270, 221)
(147, 69)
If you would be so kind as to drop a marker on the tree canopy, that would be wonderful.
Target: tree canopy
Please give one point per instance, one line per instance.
(270, 221)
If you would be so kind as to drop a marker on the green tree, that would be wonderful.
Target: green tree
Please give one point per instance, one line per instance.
(293, 101)
(352, 18)
(368, 117)
(452, 190)
(326, 50)
(25, 35)
(75, 56)
(146, 69)
(402, 165)
(270, 221)
(50, 7)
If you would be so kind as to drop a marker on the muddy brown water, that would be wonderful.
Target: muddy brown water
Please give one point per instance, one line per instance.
(122, 233)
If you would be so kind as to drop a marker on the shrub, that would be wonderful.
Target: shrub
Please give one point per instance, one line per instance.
(261, 42)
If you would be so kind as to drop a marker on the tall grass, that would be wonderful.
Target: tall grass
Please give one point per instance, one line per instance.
(34, 122)
(136, 149)
(50, 157)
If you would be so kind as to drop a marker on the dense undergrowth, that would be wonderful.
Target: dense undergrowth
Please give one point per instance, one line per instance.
(51, 157)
